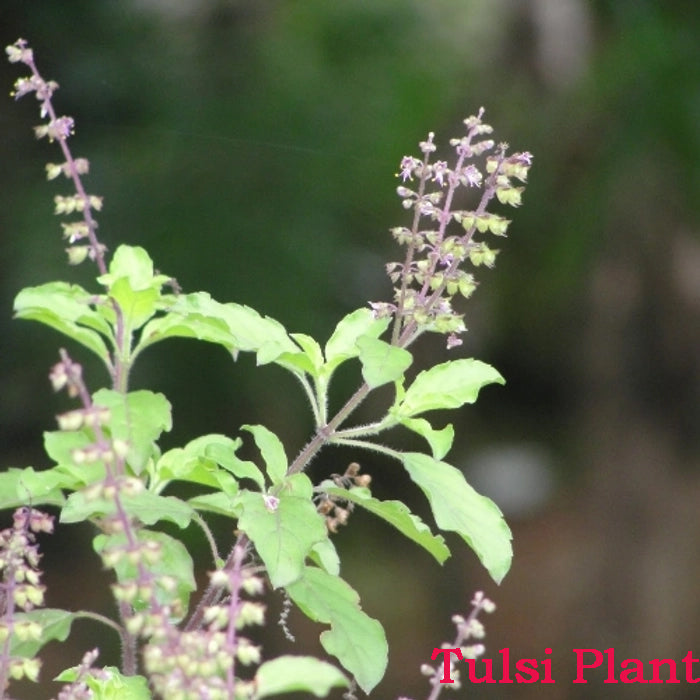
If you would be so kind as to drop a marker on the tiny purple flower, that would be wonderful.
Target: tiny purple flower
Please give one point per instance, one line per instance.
(453, 341)
(440, 170)
(382, 309)
(428, 146)
(408, 164)
(23, 86)
(60, 128)
(471, 176)
(525, 158)
(271, 502)
(18, 52)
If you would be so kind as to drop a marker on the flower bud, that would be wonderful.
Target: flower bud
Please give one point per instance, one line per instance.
(135, 624)
(125, 592)
(53, 171)
(77, 254)
(72, 420)
(252, 585)
(247, 653)
(473, 651)
(488, 606)
(271, 502)
(152, 551)
(112, 556)
(216, 614)
(363, 480)
(511, 196)
(19, 52)
(97, 415)
(121, 448)
(250, 614)
(219, 578)
(58, 376)
(131, 486)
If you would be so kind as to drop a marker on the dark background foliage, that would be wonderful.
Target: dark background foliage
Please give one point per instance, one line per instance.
(251, 146)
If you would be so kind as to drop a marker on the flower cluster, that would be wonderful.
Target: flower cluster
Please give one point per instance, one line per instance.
(432, 273)
(337, 511)
(148, 599)
(68, 375)
(202, 662)
(78, 688)
(467, 628)
(20, 592)
(188, 664)
(60, 129)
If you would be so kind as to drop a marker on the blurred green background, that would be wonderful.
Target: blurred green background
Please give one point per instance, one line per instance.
(251, 147)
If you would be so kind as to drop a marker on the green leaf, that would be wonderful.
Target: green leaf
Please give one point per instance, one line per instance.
(133, 264)
(138, 418)
(440, 441)
(355, 639)
(447, 385)
(222, 450)
(66, 308)
(287, 674)
(111, 684)
(177, 324)
(235, 327)
(395, 513)
(76, 476)
(219, 503)
(457, 507)
(22, 487)
(132, 283)
(297, 363)
(258, 333)
(209, 460)
(272, 451)
(312, 350)
(148, 507)
(283, 531)
(342, 345)
(55, 624)
(178, 465)
(174, 561)
(381, 362)
(247, 329)
(137, 306)
(325, 555)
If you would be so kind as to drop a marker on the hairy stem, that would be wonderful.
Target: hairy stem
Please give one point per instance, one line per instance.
(326, 432)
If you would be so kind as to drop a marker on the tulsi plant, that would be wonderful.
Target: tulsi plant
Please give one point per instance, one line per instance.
(108, 469)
